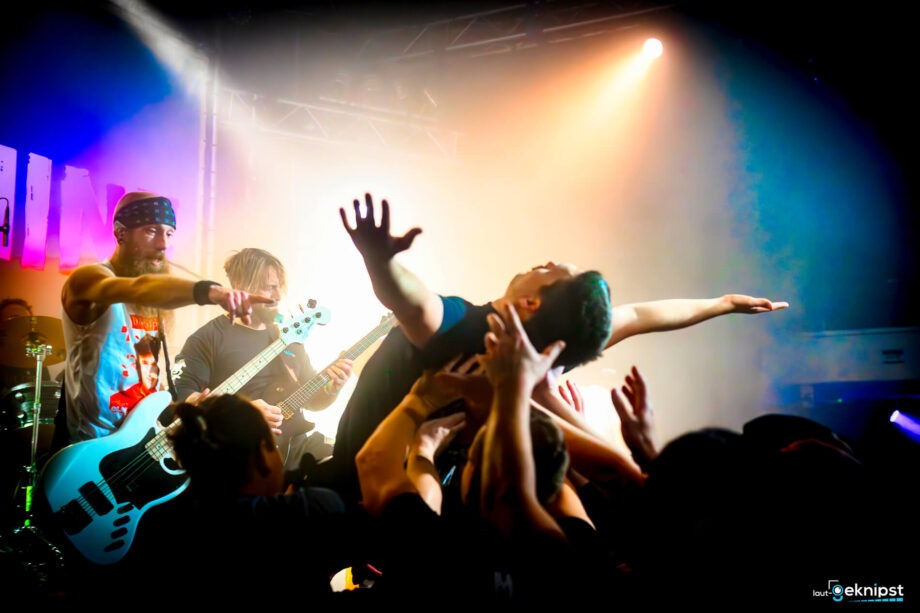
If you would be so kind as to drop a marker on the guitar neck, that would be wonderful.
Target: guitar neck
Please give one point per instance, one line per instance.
(292, 330)
(159, 446)
(246, 372)
(302, 396)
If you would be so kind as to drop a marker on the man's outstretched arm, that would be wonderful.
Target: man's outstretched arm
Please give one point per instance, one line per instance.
(673, 314)
(92, 288)
(418, 309)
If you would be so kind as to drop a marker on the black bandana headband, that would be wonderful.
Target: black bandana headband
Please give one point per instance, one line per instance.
(148, 211)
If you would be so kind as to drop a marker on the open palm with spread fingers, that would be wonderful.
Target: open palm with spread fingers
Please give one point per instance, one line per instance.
(636, 423)
(374, 242)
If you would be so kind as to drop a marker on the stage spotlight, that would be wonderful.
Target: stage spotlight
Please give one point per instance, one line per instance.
(174, 51)
(628, 74)
(906, 423)
(652, 49)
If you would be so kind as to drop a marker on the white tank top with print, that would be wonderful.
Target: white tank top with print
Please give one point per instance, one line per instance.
(101, 375)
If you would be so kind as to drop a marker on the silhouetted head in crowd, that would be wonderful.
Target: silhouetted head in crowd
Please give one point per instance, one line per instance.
(227, 448)
(551, 460)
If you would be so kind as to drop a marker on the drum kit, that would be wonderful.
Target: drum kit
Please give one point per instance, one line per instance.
(27, 343)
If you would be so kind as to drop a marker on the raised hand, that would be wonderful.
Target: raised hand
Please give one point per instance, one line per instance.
(436, 391)
(571, 393)
(435, 434)
(375, 242)
(510, 358)
(475, 388)
(636, 423)
(468, 380)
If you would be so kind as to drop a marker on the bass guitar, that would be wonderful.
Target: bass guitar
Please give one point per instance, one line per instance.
(294, 422)
(98, 490)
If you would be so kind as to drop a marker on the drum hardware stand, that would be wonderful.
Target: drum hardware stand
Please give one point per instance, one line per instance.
(37, 350)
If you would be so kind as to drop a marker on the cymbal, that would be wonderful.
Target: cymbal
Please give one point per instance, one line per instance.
(22, 337)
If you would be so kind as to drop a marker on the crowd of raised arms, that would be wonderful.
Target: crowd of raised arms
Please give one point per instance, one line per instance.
(463, 470)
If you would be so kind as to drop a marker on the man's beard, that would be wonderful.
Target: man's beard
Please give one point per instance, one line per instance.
(134, 264)
(143, 266)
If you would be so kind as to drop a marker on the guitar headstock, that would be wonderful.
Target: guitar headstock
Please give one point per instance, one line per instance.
(296, 326)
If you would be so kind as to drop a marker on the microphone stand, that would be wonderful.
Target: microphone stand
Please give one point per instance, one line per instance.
(36, 565)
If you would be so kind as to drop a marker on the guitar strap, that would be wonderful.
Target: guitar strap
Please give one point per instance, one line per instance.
(290, 367)
(169, 379)
(287, 360)
(289, 428)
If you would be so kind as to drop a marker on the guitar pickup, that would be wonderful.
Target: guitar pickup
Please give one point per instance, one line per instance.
(72, 517)
(96, 499)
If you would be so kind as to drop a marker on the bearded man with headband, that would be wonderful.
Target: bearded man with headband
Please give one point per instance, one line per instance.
(111, 305)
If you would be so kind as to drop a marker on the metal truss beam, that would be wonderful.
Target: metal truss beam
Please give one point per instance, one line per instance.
(338, 122)
(395, 109)
(504, 30)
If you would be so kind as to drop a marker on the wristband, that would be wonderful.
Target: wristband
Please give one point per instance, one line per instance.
(200, 292)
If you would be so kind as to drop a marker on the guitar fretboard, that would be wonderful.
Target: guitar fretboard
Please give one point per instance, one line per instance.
(290, 405)
(159, 446)
(246, 372)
